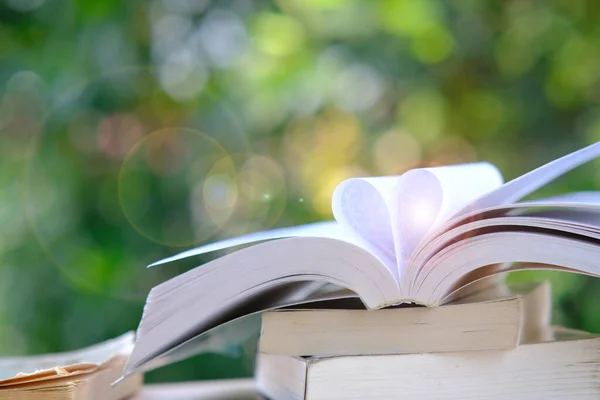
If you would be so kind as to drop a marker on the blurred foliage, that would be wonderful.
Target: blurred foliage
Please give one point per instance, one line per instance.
(130, 130)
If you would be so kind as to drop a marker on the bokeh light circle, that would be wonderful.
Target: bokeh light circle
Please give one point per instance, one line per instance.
(185, 169)
(262, 191)
(250, 198)
(90, 200)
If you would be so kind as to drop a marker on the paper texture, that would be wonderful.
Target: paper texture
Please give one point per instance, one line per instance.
(391, 216)
(13, 369)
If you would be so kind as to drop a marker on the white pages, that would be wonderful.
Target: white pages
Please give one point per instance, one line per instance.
(392, 216)
(418, 237)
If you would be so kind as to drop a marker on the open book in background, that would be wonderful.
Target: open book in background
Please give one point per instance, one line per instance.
(415, 238)
(81, 374)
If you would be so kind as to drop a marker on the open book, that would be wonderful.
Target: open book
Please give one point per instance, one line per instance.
(81, 374)
(417, 238)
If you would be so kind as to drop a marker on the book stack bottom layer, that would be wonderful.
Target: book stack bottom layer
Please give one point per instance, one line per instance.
(490, 346)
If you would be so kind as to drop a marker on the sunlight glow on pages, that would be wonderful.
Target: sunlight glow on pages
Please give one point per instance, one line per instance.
(413, 238)
(390, 216)
(422, 215)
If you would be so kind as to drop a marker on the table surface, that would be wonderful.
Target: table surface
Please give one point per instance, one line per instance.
(233, 389)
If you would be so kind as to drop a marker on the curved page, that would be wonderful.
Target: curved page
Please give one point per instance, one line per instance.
(499, 248)
(362, 206)
(435, 242)
(329, 229)
(394, 213)
(242, 328)
(201, 298)
(526, 184)
(388, 215)
(95, 354)
(582, 221)
(428, 197)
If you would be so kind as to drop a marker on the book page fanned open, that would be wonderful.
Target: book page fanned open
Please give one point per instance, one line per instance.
(27, 366)
(87, 373)
(413, 238)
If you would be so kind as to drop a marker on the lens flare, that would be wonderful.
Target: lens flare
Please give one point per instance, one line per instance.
(173, 172)
(105, 181)
(262, 193)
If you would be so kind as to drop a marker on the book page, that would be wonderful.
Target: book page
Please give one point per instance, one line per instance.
(571, 221)
(567, 200)
(238, 327)
(328, 229)
(428, 197)
(571, 249)
(574, 200)
(582, 208)
(578, 208)
(526, 184)
(96, 354)
(388, 216)
(395, 213)
(362, 206)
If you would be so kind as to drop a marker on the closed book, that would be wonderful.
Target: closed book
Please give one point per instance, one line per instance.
(564, 366)
(500, 316)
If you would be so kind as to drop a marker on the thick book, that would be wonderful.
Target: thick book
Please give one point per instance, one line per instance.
(498, 317)
(414, 238)
(84, 374)
(566, 366)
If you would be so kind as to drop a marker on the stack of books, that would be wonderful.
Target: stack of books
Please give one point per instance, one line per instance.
(418, 254)
(494, 344)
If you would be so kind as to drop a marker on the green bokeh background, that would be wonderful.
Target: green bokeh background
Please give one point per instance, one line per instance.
(131, 130)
